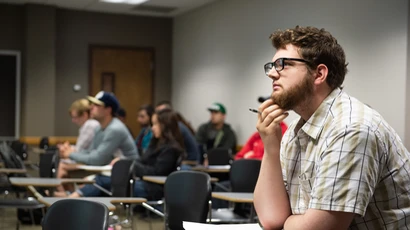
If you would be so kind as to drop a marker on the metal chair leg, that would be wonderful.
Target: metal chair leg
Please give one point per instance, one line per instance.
(18, 225)
(32, 217)
(210, 211)
(252, 214)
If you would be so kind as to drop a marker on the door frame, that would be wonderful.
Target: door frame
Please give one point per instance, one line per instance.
(17, 108)
(149, 49)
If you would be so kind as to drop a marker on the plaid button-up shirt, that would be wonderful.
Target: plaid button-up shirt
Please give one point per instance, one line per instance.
(347, 158)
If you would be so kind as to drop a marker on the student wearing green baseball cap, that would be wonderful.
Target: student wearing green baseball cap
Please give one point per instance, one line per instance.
(216, 133)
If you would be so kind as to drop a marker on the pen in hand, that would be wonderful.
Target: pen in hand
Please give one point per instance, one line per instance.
(254, 110)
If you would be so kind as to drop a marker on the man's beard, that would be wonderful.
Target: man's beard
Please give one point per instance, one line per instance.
(96, 117)
(289, 99)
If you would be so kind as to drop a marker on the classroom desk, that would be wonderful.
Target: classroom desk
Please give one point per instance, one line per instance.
(237, 197)
(10, 170)
(162, 179)
(94, 169)
(107, 201)
(213, 168)
(81, 170)
(45, 182)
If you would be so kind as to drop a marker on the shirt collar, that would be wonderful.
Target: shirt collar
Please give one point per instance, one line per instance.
(316, 122)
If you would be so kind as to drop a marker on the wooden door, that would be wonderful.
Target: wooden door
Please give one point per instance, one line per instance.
(128, 73)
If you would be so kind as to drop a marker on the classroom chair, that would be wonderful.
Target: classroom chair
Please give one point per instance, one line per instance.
(71, 214)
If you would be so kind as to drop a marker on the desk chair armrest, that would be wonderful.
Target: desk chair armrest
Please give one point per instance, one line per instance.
(103, 189)
(210, 211)
(152, 209)
(221, 186)
(35, 192)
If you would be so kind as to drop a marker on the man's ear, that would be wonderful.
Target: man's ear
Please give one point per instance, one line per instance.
(320, 74)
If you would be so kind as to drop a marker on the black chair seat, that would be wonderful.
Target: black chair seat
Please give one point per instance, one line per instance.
(29, 203)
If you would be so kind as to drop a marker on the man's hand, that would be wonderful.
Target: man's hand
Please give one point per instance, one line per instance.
(65, 151)
(115, 161)
(270, 197)
(268, 124)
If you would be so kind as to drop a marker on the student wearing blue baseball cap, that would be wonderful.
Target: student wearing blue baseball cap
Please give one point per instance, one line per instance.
(111, 141)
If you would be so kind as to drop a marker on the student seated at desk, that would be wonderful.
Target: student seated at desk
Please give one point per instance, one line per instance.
(144, 118)
(160, 159)
(108, 139)
(190, 144)
(80, 115)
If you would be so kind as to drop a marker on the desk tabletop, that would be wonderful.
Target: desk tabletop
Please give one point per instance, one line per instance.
(46, 182)
(155, 179)
(35, 181)
(162, 179)
(213, 168)
(238, 197)
(9, 171)
(76, 181)
(92, 168)
(107, 201)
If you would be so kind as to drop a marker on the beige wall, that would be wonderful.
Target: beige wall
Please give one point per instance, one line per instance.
(76, 30)
(220, 50)
(40, 72)
(56, 55)
(407, 105)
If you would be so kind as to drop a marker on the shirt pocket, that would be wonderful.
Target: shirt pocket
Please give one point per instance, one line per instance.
(305, 190)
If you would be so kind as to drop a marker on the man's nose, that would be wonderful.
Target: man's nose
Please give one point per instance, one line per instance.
(273, 74)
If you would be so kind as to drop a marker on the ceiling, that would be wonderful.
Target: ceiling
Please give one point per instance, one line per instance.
(161, 8)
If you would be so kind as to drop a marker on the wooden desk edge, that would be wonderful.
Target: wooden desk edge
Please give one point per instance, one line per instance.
(129, 200)
(236, 200)
(9, 171)
(76, 181)
(153, 180)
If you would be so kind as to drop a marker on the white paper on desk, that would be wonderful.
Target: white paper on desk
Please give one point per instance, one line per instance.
(198, 226)
(219, 167)
(95, 168)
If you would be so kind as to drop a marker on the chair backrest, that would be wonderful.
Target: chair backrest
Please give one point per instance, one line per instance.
(78, 214)
(20, 149)
(121, 174)
(244, 174)
(219, 156)
(187, 195)
(44, 143)
(10, 158)
(47, 163)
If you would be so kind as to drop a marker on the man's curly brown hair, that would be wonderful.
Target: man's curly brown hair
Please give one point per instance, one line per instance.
(317, 46)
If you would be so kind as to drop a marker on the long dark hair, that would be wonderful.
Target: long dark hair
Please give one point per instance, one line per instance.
(185, 122)
(170, 133)
(149, 109)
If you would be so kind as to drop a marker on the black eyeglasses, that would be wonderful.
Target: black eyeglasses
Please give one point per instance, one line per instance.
(279, 64)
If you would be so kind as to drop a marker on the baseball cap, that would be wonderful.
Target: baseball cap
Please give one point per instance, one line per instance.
(217, 107)
(105, 99)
